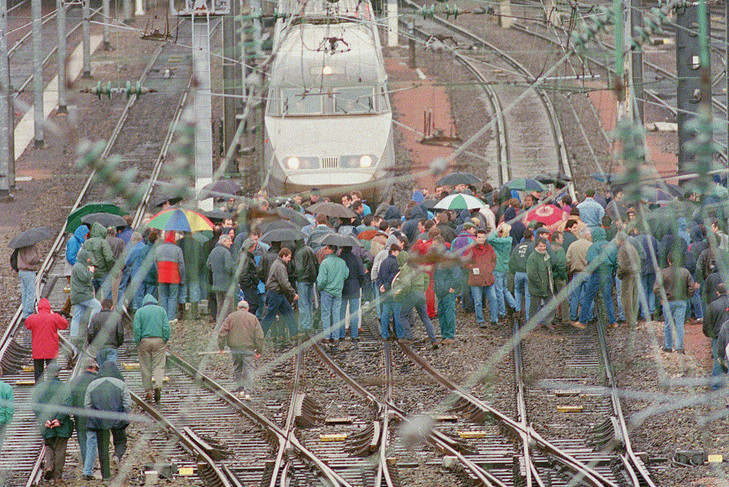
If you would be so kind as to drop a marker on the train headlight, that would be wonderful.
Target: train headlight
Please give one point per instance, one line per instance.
(295, 163)
(355, 161)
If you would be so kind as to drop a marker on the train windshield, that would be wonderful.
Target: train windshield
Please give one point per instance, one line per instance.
(354, 100)
(297, 103)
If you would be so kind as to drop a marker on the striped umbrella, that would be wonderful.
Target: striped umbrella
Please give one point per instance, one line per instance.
(460, 202)
(180, 220)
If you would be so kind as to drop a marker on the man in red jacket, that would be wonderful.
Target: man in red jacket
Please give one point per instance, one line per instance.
(481, 277)
(44, 326)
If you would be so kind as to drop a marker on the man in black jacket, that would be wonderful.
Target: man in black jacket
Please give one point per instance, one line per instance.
(106, 332)
(307, 268)
(76, 398)
(107, 393)
(248, 280)
(717, 314)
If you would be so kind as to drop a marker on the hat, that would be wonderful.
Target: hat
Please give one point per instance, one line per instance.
(87, 362)
(468, 225)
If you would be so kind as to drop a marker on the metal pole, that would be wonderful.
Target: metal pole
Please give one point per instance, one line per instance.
(392, 33)
(61, 19)
(6, 166)
(38, 118)
(105, 43)
(229, 78)
(203, 106)
(128, 12)
(636, 19)
(726, 72)
(86, 12)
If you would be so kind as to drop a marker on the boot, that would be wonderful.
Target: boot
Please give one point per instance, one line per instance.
(194, 311)
(66, 310)
(181, 310)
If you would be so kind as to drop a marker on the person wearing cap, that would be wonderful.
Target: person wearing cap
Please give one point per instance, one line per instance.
(44, 326)
(77, 393)
(7, 409)
(56, 427)
(243, 334)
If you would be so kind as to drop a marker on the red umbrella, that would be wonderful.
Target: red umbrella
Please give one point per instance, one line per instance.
(552, 216)
(367, 234)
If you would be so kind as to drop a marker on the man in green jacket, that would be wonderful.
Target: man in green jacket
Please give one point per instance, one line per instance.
(539, 275)
(446, 284)
(56, 427)
(501, 242)
(333, 271)
(559, 273)
(82, 296)
(102, 258)
(151, 332)
(7, 409)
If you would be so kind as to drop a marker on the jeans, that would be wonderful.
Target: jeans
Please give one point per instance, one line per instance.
(168, 293)
(619, 292)
(106, 354)
(27, 292)
(142, 290)
(306, 304)
(190, 292)
(378, 300)
(79, 310)
(536, 303)
(603, 283)
(717, 373)
(331, 310)
(503, 295)
(674, 312)
(243, 368)
(577, 294)
(123, 283)
(521, 288)
(278, 304)
(390, 307)
(696, 304)
(447, 315)
(418, 302)
(647, 280)
(353, 316)
(477, 293)
(251, 295)
(92, 452)
(97, 442)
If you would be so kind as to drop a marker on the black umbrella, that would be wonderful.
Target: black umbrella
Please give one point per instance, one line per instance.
(332, 209)
(339, 240)
(220, 189)
(269, 226)
(282, 234)
(217, 214)
(30, 237)
(105, 219)
(160, 200)
(459, 178)
(559, 178)
(294, 216)
(429, 204)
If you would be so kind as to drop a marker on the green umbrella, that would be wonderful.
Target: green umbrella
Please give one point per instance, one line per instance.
(526, 184)
(460, 202)
(74, 219)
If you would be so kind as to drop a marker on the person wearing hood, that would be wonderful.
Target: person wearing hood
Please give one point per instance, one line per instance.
(333, 272)
(56, 427)
(72, 247)
(601, 278)
(77, 394)
(108, 393)
(102, 257)
(144, 273)
(170, 273)
(7, 409)
(151, 330)
(541, 282)
(307, 268)
(44, 327)
(83, 300)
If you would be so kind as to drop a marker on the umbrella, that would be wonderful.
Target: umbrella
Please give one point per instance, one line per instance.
(459, 178)
(339, 240)
(105, 219)
(605, 177)
(460, 202)
(656, 195)
(217, 214)
(294, 216)
(220, 189)
(331, 209)
(282, 234)
(526, 184)
(616, 210)
(160, 200)
(429, 203)
(552, 216)
(180, 220)
(277, 225)
(74, 219)
(30, 237)
(559, 178)
(367, 235)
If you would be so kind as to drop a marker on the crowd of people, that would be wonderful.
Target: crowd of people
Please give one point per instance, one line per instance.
(496, 262)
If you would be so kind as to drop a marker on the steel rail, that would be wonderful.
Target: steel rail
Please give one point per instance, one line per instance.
(330, 475)
(560, 145)
(589, 475)
(436, 438)
(383, 476)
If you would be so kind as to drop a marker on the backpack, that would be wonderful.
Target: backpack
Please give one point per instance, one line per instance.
(14, 260)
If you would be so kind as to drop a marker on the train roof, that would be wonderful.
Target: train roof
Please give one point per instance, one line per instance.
(312, 10)
(347, 52)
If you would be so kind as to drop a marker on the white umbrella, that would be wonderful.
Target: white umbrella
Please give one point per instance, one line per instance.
(460, 202)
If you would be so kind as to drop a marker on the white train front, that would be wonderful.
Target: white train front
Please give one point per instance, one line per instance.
(328, 116)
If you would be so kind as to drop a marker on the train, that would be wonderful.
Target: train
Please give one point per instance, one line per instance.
(328, 119)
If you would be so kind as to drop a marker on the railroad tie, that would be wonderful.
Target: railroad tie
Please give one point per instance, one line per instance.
(307, 411)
